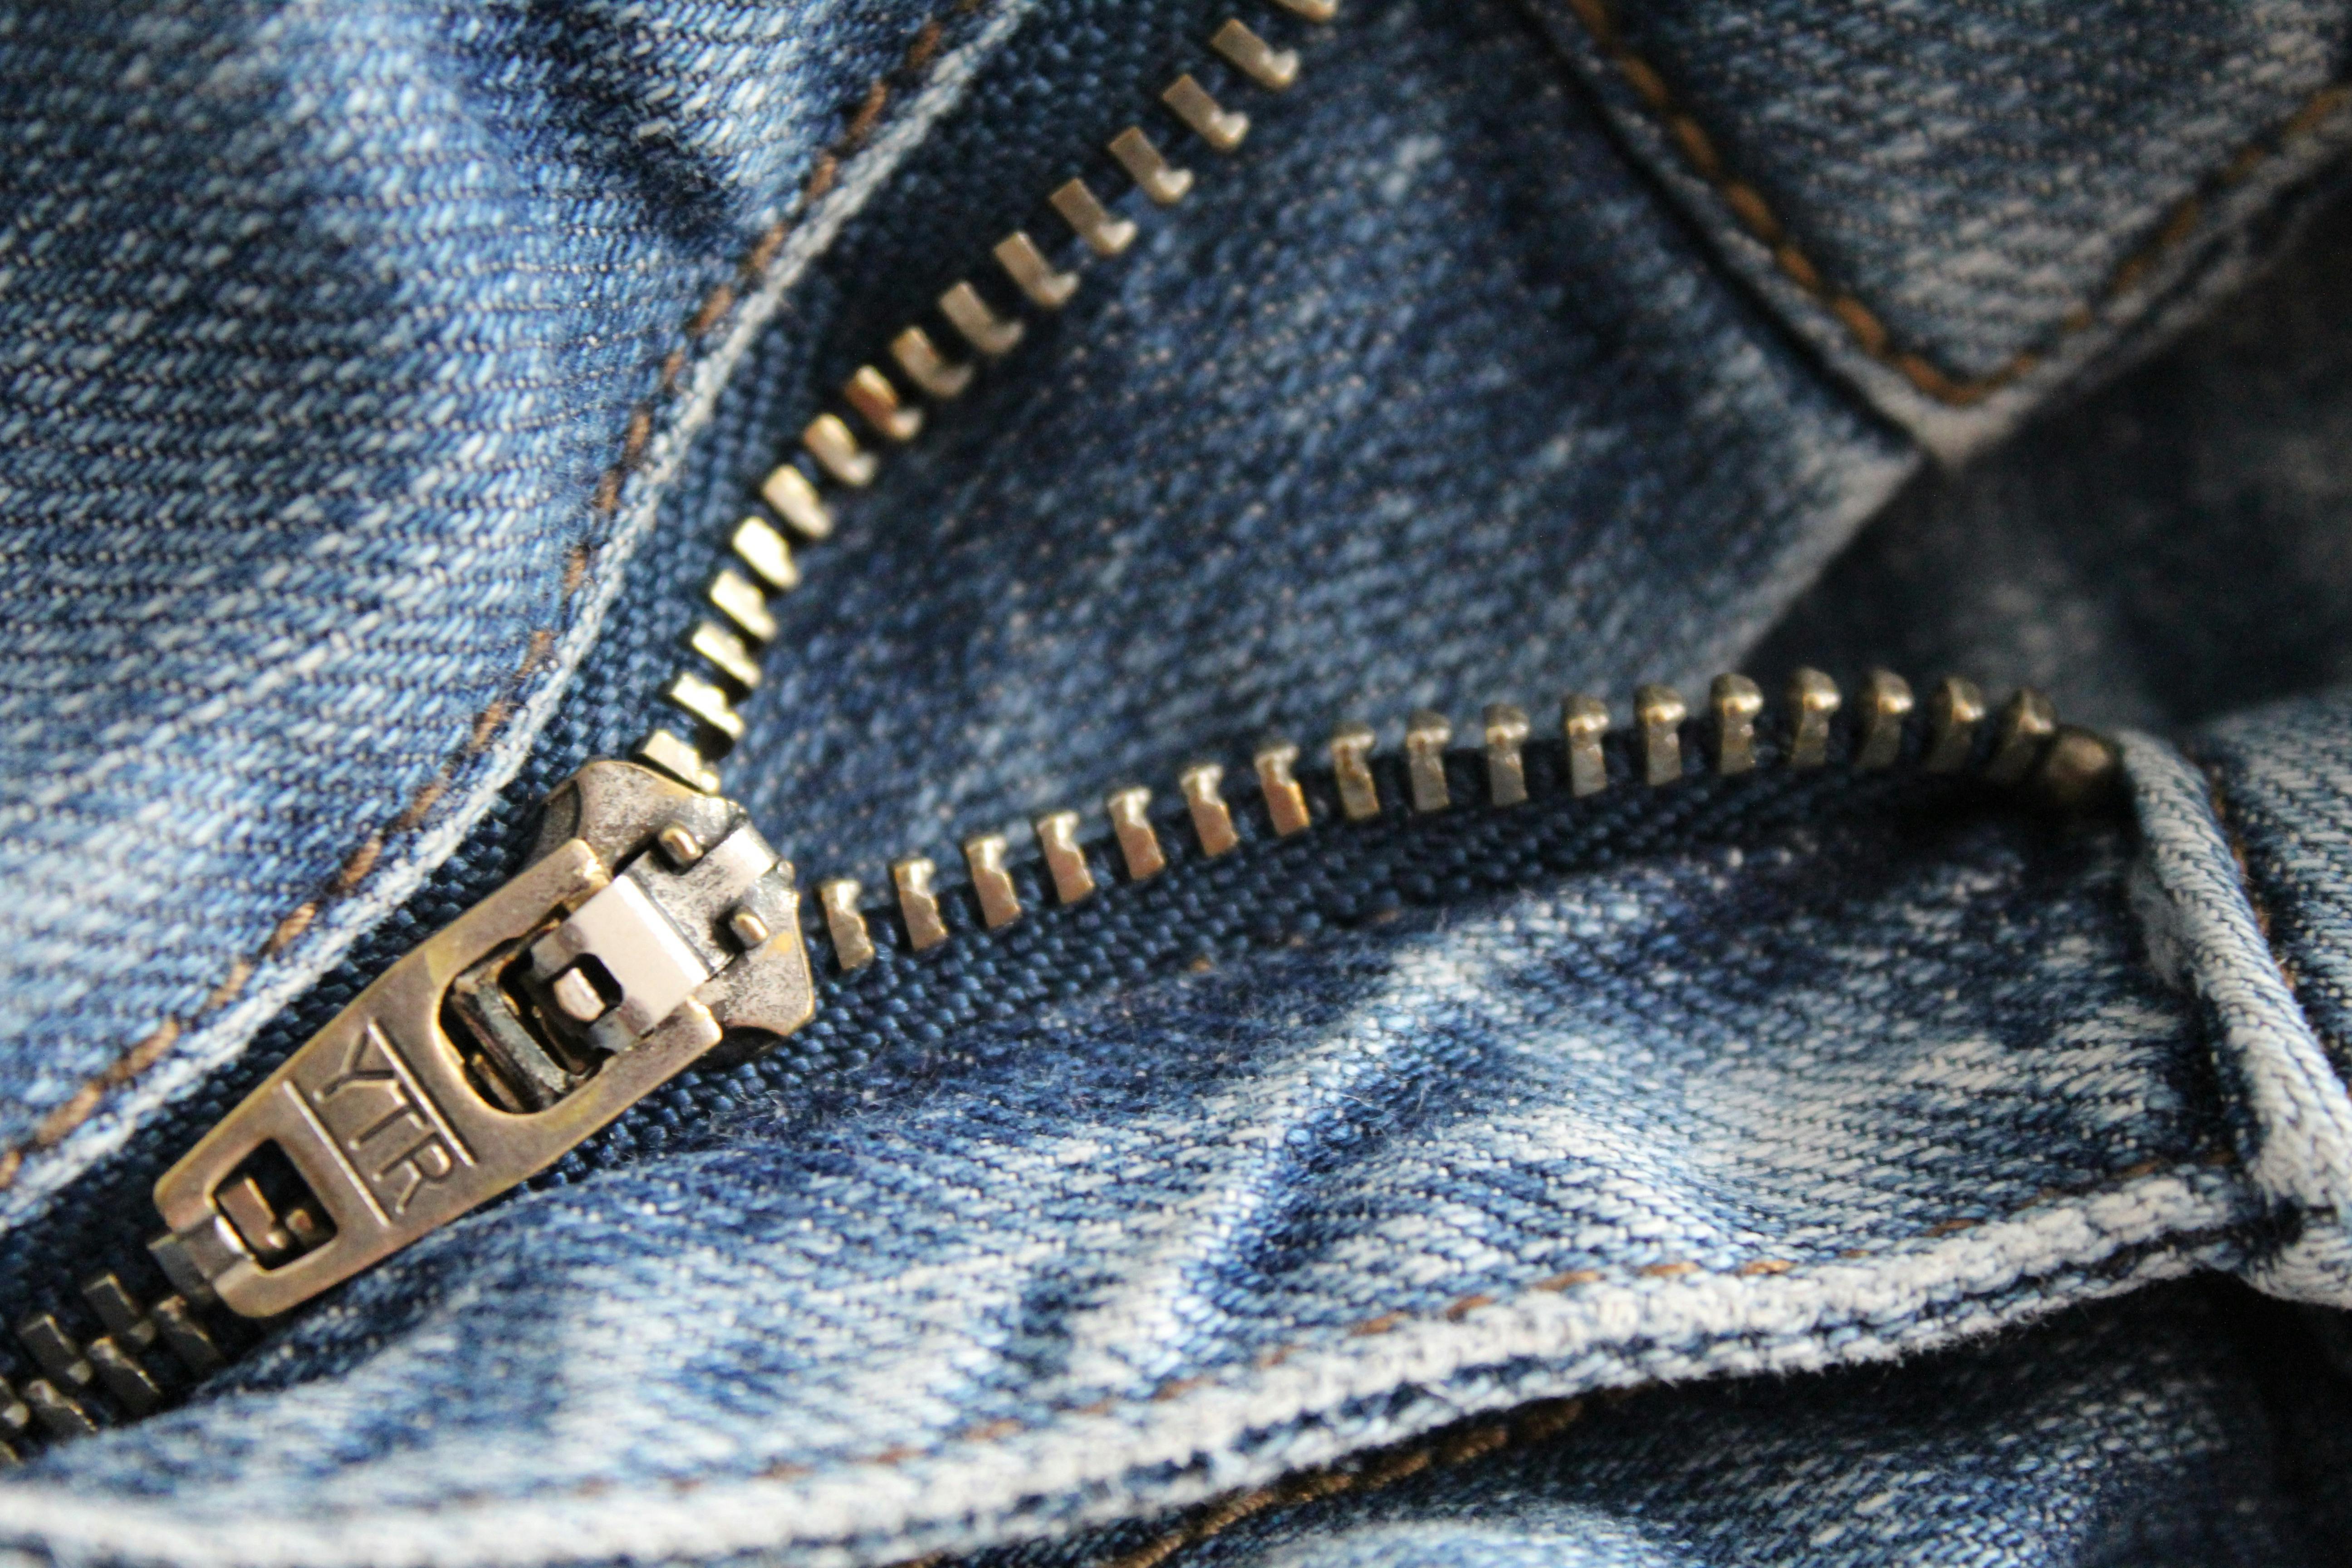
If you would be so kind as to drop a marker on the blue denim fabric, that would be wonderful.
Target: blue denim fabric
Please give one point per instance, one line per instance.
(2290, 1115)
(2176, 1429)
(2163, 553)
(2279, 775)
(322, 326)
(1434, 392)
(1225, 493)
(1651, 369)
(1097, 1245)
(1962, 207)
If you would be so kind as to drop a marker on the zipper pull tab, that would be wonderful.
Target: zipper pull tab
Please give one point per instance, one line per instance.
(651, 920)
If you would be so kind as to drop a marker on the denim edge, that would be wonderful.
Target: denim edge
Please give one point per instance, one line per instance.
(1313, 1409)
(2294, 1124)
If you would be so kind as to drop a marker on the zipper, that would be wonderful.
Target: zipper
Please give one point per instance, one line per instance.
(654, 919)
(2022, 749)
(468, 1066)
(653, 922)
(833, 458)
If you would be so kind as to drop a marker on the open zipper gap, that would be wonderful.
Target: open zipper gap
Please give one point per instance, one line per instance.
(982, 313)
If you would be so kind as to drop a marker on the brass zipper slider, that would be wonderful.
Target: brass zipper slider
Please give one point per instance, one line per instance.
(651, 918)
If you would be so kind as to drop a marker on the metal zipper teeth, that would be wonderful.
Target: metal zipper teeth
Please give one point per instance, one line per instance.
(122, 1363)
(794, 501)
(2025, 746)
(2022, 747)
(148, 1355)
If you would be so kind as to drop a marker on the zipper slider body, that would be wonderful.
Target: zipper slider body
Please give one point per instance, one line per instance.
(651, 919)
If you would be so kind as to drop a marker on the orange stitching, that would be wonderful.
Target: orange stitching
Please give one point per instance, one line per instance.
(1454, 1446)
(1455, 1312)
(79, 1105)
(1398, 1465)
(1862, 323)
(637, 434)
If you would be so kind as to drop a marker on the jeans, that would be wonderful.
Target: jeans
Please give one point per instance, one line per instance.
(1806, 1165)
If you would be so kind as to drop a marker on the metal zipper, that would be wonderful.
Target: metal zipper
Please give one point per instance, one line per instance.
(2020, 748)
(797, 495)
(473, 1063)
(653, 919)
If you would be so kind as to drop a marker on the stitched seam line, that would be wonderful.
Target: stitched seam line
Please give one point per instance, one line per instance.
(2216, 795)
(1462, 1307)
(78, 1107)
(1452, 1312)
(712, 311)
(1531, 1424)
(1536, 1422)
(1865, 326)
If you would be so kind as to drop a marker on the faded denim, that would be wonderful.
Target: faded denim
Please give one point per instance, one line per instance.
(1966, 206)
(1459, 381)
(2171, 1430)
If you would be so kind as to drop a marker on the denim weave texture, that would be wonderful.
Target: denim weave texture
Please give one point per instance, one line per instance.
(1037, 1274)
(326, 326)
(1964, 205)
(1220, 491)
(383, 384)
(2160, 553)
(2177, 1430)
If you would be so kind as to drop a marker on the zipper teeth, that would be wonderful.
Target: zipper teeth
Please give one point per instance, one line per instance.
(2023, 748)
(794, 500)
(57, 1406)
(794, 503)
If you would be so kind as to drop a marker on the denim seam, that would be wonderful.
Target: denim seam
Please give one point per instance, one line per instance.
(1536, 1423)
(1862, 324)
(1453, 1311)
(1462, 1307)
(491, 723)
(78, 1107)
(719, 302)
(2209, 933)
(1831, 1312)
(2217, 791)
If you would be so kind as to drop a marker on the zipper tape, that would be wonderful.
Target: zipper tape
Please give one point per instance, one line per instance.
(2021, 748)
(936, 358)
